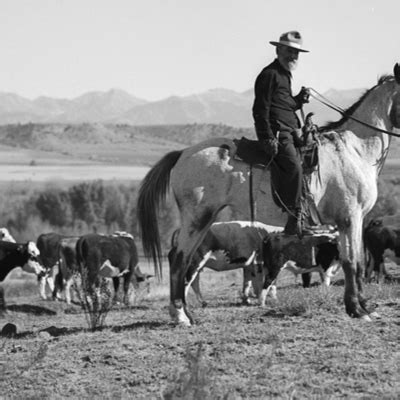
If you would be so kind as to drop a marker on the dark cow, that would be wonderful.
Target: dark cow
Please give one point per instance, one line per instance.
(68, 266)
(326, 263)
(109, 257)
(378, 239)
(318, 253)
(226, 246)
(24, 255)
(48, 243)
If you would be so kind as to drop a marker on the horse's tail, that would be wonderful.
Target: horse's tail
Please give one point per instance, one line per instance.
(152, 194)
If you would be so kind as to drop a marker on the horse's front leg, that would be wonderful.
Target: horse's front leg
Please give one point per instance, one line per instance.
(360, 281)
(351, 248)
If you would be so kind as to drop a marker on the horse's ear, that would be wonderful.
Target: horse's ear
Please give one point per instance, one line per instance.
(396, 71)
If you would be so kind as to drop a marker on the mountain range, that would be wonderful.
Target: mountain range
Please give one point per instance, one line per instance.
(215, 106)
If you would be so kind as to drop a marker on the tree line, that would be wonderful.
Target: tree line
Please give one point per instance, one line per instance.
(104, 207)
(82, 208)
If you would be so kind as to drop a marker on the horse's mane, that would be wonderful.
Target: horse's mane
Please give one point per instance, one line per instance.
(331, 126)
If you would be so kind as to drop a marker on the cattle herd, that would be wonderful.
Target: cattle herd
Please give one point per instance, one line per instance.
(56, 259)
(259, 249)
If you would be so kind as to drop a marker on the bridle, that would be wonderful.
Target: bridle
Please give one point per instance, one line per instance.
(323, 100)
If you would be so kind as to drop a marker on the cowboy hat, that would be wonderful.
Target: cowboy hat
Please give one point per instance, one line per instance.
(290, 39)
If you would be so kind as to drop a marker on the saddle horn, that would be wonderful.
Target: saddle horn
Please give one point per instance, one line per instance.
(396, 71)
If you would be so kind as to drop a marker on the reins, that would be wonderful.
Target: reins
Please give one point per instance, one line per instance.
(318, 96)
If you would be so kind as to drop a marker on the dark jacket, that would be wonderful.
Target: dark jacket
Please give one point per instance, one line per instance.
(274, 105)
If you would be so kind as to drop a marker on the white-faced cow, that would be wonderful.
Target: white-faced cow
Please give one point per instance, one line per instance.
(227, 246)
(101, 256)
(57, 255)
(380, 241)
(6, 236)
(24, 255)
(317, 253)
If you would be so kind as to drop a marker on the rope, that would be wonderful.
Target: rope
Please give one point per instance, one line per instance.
(341, 111)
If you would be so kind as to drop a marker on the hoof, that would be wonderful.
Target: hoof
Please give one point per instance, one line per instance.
(374, 314)
(366, 318)
(246, 302)
(186, 323)
(179, 316)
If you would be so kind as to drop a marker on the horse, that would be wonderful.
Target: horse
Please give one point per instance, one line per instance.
(207, 177)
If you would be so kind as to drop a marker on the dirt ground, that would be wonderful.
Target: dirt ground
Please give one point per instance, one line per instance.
(304, 346)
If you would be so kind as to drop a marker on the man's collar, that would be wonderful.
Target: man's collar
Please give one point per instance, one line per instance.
(281, 69)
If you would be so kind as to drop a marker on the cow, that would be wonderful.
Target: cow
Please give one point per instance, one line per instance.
(317, 253)
(24, 255)
(327, 264)
(380, 241)
(226, 246)
(48, 245)
(101, 256)
(67, 266)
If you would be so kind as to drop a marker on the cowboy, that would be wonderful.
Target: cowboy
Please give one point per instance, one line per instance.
(278, 127)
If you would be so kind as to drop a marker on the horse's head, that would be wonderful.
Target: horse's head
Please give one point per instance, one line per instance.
(395, 110)
(396, 72)
(380, 103)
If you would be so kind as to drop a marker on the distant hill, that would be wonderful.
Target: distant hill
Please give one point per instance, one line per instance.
(110, 143)
(117, 144)
(90, 107)
(341, 98)
(216, 106)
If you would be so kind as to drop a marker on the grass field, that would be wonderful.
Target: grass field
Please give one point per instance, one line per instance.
(305, 346)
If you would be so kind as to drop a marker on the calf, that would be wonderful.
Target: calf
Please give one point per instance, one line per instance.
(282, 252)
(24, 255)
(326, 263)
(109, 257)
(227, 246)
(378, 239)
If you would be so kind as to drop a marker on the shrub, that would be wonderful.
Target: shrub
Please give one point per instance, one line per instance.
(95, 302)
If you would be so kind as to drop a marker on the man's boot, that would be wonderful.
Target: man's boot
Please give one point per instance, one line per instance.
(293, 225)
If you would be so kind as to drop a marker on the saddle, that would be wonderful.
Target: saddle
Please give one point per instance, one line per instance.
(252, 153)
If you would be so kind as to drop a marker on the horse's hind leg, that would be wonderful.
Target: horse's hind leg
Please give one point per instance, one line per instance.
(178, 270)
(190, 237)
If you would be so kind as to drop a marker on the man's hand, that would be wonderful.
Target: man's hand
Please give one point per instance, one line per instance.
(304, 95)
(270, 146)
(309, 129)
(298, 140)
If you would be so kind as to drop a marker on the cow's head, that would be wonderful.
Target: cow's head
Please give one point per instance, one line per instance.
(141, 280)
(32, 264)
(5, 235)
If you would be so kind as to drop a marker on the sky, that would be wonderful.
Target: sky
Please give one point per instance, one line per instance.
(154, 49)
